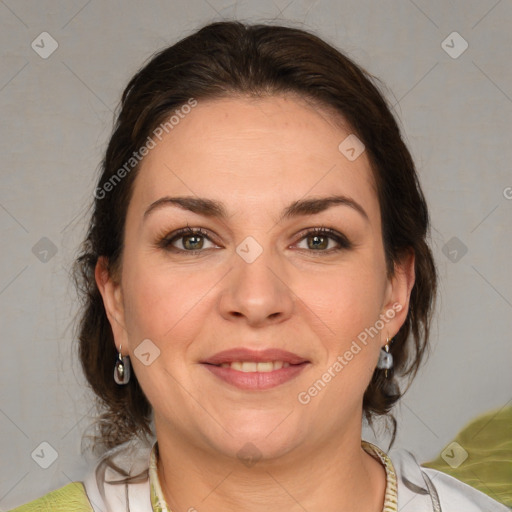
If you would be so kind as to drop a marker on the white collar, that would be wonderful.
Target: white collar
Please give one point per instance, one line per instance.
(428, 490)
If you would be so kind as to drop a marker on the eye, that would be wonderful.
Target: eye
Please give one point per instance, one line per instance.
(191, 240)
(318, 240)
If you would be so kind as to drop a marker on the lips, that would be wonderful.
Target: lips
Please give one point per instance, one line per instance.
(255, 370)
(255, 356)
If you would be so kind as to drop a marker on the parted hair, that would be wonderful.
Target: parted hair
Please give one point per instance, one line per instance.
(226, 59)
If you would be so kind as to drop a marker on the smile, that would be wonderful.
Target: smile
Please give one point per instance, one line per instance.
(252, 366)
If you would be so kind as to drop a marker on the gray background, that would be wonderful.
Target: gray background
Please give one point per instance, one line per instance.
(56, 118)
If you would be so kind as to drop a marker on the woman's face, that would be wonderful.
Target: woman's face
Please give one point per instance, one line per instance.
(254, 279)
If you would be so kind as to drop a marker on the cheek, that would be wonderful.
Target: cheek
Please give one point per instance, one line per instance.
(157, 298)
(347, 299)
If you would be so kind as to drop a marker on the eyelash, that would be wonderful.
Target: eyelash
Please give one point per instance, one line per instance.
(165, 242)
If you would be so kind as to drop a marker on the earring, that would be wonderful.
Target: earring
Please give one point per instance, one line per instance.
(122, 369)
(385, 358)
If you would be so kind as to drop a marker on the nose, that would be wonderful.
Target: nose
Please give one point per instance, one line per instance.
(257, 293)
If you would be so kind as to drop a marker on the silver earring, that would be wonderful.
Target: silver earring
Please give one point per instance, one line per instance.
(385, 359)
(122, 369)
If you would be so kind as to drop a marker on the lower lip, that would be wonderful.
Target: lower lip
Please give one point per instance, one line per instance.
(256, 380)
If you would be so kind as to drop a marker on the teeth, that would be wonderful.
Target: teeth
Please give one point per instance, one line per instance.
(251, 366)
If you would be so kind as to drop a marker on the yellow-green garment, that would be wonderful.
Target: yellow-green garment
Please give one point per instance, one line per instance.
(67, 498)
(488, 441)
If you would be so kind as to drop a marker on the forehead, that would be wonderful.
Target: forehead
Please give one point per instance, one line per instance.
(257, 152)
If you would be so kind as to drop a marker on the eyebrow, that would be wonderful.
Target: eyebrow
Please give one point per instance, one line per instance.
(216, 209)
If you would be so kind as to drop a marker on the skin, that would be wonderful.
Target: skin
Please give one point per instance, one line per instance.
(256, 156)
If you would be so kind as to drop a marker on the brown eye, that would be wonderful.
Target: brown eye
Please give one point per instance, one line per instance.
(192, 242)
(319, 240)
(186, 240)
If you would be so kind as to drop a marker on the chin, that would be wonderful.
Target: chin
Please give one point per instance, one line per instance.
(259, 436)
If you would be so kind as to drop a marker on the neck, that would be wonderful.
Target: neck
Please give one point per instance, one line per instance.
(338, 476)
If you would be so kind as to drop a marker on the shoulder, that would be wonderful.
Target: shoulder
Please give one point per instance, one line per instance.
(423, 489)
(484, 450)
(70, 497)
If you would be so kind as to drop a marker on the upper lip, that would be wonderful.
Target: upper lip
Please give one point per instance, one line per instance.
(258, 356)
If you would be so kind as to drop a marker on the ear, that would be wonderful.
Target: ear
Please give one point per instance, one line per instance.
(398, 294)
(112, 295)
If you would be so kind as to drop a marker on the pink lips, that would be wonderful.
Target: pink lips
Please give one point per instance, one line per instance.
(258, 356)
(255, 380)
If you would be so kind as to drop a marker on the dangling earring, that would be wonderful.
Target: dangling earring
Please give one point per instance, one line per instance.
(385, 358)
(122, 369)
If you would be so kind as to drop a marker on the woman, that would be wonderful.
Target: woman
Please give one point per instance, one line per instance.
(256, 280)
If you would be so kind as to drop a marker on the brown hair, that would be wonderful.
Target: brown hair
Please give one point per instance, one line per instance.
(231, 58)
